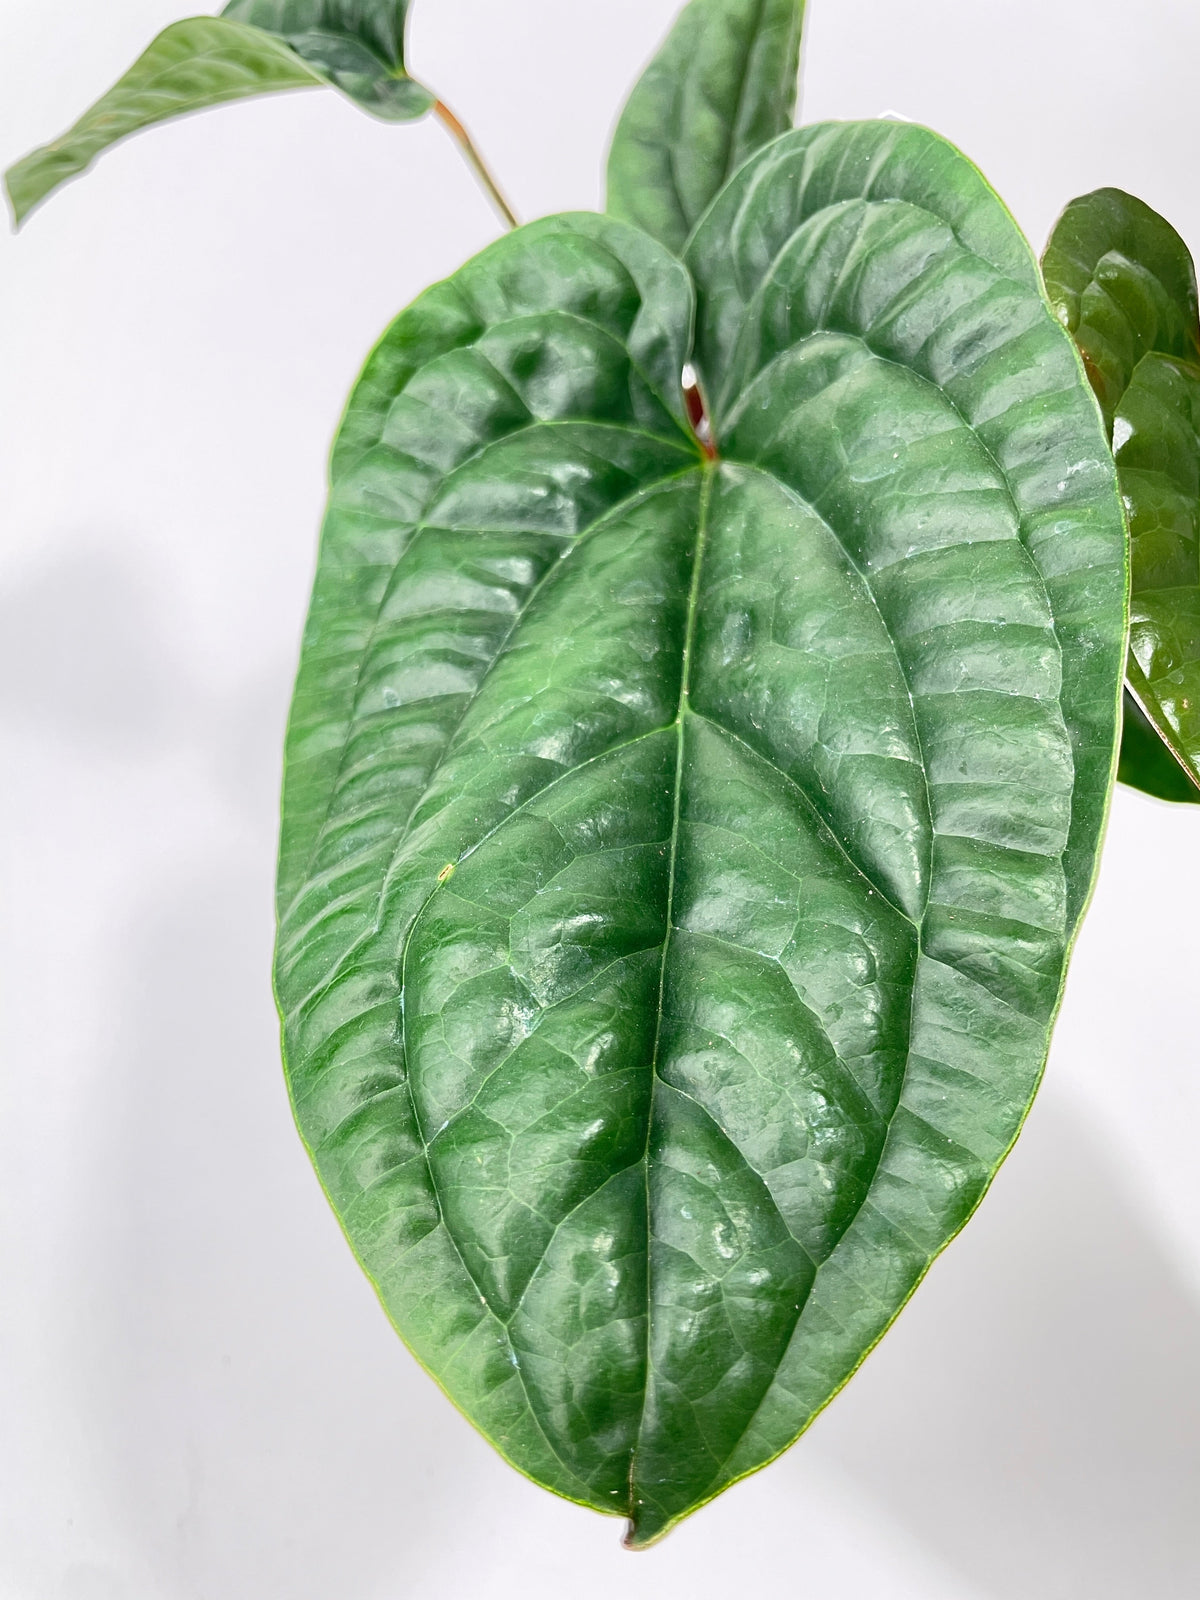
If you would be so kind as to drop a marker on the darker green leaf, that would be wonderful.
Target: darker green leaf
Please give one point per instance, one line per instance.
(1121, 279)
(357, 45)
(723, 85)
(1147, 764)
(1124, 284)
(680, 858)
(256, 47)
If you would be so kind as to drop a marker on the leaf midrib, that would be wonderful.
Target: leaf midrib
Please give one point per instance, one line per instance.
(709, 470)
(689, 638)
(371, 931)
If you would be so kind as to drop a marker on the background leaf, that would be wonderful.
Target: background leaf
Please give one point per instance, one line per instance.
(1147, 764)
(680, 859)
(722, 85)
(206, 61)
(1122, 280)
(1124, 284)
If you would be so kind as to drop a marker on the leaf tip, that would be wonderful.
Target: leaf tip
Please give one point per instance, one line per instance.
(645, 1529)
(17, 209)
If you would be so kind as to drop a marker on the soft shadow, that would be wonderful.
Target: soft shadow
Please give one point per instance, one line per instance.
(85, 658)
(259, 1429)
(253, 1426)
(82, 654)
(1034, 1417)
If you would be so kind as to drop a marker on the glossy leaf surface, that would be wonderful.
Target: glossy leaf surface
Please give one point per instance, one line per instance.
(1147, 764)
(256, 47)
(1124, 283)
(723, 85)
(680, 858)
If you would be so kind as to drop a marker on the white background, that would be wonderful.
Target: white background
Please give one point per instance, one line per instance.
(199, 1397)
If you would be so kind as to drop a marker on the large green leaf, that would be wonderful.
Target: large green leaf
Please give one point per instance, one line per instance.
(1124, 284)
(255, 47)
(723, 85)
(680, 857)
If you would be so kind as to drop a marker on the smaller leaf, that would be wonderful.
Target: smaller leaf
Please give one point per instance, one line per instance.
(356, 45)
(206, 61)
(191, 65)
(722, 86)
(1123, 282)
(1156, 432)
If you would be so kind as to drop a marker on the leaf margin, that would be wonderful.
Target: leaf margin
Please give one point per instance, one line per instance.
(32, 180)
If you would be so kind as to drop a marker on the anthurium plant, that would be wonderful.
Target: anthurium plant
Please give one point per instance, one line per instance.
(706, 720)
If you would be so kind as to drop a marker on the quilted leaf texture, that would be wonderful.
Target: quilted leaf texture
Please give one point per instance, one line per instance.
(1124, 284)
(680, 856)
